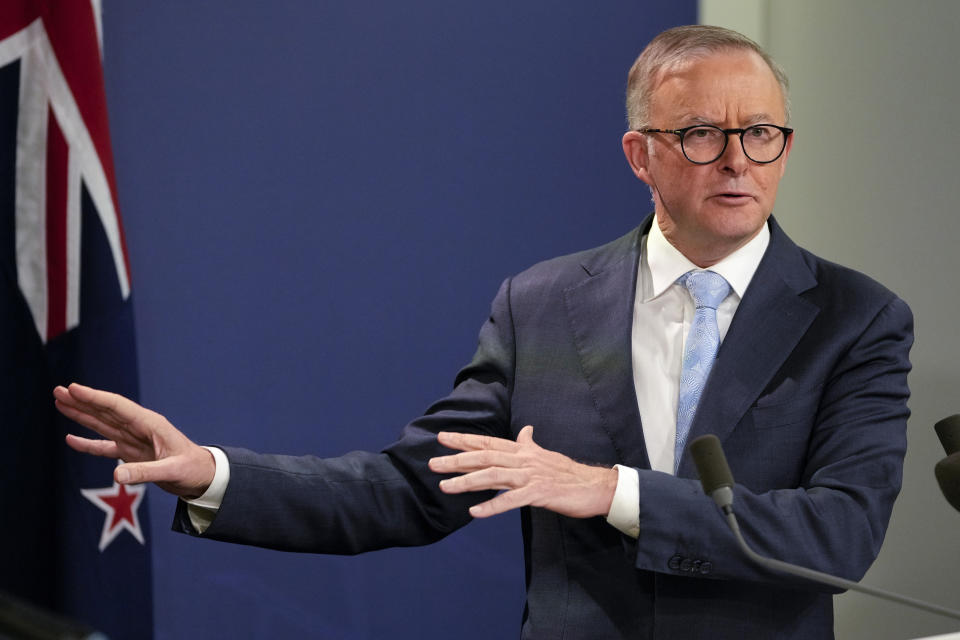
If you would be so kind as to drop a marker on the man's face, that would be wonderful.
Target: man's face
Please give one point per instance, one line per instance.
(709, 211)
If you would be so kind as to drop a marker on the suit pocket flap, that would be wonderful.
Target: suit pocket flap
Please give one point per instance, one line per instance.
(798, 409)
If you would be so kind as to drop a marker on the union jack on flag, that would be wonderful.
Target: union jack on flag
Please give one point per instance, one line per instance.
(76, 541)
(63, 149)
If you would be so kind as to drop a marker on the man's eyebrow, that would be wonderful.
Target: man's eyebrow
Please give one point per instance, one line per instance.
(758, 118)
(687, 119)
(694, 119)
(691, 116)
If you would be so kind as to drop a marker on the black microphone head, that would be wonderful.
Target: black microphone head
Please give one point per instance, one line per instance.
(711, 464)
(948, 430)
(948, 477)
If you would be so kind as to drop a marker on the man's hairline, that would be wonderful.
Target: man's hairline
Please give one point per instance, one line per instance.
(699, 54)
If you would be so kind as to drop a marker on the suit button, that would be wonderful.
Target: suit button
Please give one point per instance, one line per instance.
(706, 567)
(686, 564)
(674, 562)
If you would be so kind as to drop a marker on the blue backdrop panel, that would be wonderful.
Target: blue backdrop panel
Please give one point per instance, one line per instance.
(321, 199)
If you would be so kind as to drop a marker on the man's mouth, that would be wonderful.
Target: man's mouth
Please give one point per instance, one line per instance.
(733, 197)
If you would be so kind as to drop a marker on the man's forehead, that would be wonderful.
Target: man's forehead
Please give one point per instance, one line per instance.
(721, 62)
(693, 87)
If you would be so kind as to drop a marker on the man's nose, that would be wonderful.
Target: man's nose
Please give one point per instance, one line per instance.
(734, 159)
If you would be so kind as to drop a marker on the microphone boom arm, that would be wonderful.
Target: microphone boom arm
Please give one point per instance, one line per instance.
(819, 576)
(717, 481)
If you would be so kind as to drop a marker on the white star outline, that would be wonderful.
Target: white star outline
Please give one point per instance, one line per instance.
(109, 532)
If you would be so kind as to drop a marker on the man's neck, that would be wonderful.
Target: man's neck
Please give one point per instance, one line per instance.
(709, 252)
(665, 263)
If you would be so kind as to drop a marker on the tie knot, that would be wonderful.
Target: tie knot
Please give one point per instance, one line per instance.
(707, 288)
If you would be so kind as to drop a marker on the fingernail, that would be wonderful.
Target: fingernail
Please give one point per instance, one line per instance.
(123, 475)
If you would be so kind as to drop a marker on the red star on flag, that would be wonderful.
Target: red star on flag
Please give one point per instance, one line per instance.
(120, 504)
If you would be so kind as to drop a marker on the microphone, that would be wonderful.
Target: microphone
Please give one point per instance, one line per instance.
(717, 482)
(947, 470)
(714, 472)
(948, 430)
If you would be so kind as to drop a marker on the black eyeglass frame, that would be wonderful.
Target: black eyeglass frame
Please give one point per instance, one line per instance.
(786, 131)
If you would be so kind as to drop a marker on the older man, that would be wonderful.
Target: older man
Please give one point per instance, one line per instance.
(704, 319)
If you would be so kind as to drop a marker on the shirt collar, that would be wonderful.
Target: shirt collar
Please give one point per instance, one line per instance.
(666, 263)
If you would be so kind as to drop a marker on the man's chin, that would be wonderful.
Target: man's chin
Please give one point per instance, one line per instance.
(733, 230)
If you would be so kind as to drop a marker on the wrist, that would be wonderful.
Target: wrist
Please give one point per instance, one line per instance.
(606, 487)
(209, 494)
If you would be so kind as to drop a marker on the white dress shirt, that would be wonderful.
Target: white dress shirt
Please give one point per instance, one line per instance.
(662, 313)
(202, 510)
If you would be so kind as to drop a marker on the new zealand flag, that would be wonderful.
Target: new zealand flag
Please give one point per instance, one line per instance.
(72, 541)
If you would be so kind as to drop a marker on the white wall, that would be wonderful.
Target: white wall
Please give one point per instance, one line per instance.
(873, 183)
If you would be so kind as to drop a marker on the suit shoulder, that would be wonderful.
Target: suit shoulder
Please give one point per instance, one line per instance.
(846, 288)
(567, 270)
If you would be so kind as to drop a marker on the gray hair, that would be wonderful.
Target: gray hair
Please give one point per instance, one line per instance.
(678, 45)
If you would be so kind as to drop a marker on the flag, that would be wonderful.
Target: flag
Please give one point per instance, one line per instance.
(73, 541)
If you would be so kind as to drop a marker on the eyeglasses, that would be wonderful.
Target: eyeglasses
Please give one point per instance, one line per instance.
(705, 143)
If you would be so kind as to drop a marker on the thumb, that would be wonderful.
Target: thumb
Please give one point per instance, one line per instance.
(184, 475)
(139, 472)
(526, 435)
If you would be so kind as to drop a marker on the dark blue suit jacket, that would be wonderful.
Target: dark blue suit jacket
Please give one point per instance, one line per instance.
(808, 397)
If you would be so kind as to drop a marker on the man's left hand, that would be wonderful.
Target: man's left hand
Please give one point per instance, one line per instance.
(528, 475)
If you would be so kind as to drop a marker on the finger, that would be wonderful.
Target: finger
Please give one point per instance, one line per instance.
(496, 478)
(526, 435)
(474, 442)
(110, 407)
(502, 503)
(63, 397)
(109, 414)
(473, 461)
(81, 395)
(91, 422)
(105, 448)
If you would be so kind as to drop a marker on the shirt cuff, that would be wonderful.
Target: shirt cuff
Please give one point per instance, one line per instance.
(625, 509)
(203, 509)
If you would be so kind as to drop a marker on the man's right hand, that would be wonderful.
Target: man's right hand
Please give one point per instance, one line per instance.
(152, 449)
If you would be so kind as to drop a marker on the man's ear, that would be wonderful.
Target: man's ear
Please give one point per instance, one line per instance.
(637, 153)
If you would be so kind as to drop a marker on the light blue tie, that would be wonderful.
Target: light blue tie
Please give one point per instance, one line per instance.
(708, 290)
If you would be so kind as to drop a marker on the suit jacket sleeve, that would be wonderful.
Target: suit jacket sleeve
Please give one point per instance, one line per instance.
(363, 501)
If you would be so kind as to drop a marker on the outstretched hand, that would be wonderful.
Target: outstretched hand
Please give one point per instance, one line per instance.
(152, 449)
(528, 474)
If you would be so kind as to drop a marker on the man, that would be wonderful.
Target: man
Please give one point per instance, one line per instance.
(799, 366)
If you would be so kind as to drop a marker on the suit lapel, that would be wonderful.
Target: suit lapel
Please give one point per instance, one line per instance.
(600, 310)
(770, 321)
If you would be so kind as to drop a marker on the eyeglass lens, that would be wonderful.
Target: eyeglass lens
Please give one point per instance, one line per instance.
(761, 143)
